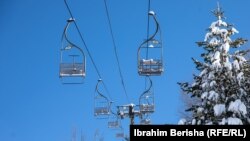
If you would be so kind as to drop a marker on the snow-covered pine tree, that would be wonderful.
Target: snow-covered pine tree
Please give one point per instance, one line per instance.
(247, 75)
(223, 85)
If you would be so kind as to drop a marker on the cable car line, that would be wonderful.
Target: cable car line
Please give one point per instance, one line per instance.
(149, 3)
(149, 7)
(115, 49)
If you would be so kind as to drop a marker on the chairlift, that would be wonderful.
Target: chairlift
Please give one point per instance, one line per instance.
(102, 104)
(127, 110)
(146, 100)
(114, 124)
(73, 60)
(123, 111)
(120, 133)
(114, 121)
(150, 53)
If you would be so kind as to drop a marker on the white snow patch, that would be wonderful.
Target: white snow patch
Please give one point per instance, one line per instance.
(151, 12)
(214, 42)
(219, 109)
(204, 85)
(211, 75)
(182, 121)
(226, 59)
(199, 122)
(219, 22)
(224, 23)
(216, 64)
(240, 76)
(213, 24)
(151, 46)
(213, 96)
(223, 122)
(234, 121)
(215, 30)
(229, 39)
(204, 95)
(207, 36)
(238, 107)
(203, 72)
(68, 47)
(200, 110)
(228, 65)
(241, 58)
(226, 47)
(217, 55)
(242, 92)
(193, 121)
(194, 84)
(148, 61)
(224, 32)
(236, 65)
(209, 123)
(213, 83)
(234, 30)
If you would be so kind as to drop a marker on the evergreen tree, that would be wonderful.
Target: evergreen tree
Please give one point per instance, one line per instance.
(223, 85)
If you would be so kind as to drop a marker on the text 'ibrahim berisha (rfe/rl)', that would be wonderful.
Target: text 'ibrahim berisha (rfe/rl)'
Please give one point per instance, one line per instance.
(201, 132)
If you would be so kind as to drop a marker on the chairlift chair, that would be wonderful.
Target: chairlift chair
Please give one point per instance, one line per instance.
(146, 100)
(114, 122)
(120, 133)
(150, 53)
(102, 104)
(73, 60)
(123, 111)
(147, 103)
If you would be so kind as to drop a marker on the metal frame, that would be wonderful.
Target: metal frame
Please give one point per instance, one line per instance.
(114, 121)
(70, 71)
(146, 65)
(120, 133)
(146, 100)
(102, 104)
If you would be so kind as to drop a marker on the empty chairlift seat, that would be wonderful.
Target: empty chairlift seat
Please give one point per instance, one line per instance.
(114, 122)
(146, 100)
(73, 60)
(147, 103)
(120, 133)
(73, 69)
(102, 104)
(101, 107)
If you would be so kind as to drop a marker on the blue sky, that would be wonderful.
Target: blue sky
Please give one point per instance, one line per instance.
(35, 106)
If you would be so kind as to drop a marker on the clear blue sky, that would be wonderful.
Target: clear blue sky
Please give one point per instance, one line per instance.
(35, 106)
